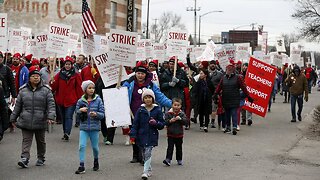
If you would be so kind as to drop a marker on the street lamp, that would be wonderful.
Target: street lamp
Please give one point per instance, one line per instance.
(200, 22)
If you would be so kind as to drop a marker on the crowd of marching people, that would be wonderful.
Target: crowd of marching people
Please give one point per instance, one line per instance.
(68, 91)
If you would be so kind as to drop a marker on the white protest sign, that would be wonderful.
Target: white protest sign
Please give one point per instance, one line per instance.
(285, 59)
(222, 57)
(242, 52)
(313, 60)
(141, 51)
(280, 44)
(73, 43)
(108, 72)
(26, 35)
(177, 44)
(3, 32)
(31, 47)
(258, 54)
(101, 42)
(155, 78)
(295, 52)
(209, 52)
(117, 108)
(41, 43)
(159, 52)
(267, 59)
(88, 45)
(58, 38)
(276, 59)
(196, 52)
(148, 48)
(231, 52)
(16, 41)
(122, 47)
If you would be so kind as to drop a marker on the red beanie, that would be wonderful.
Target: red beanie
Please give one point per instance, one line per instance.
(68, 58)
(34, 70)
(205, 64)
(180, 64)
(28, 57)
(35, 62)
(17, 55)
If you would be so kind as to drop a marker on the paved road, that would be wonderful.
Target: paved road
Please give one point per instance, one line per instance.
(257, 152)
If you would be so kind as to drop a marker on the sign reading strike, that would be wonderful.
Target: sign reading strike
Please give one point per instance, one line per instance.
(109, 72)
(3, 32)
(177, 44)
(58, 38)
(159, 52)
(259, 80)
(122, 47)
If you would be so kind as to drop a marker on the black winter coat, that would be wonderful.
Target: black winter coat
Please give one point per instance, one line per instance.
(203, 92)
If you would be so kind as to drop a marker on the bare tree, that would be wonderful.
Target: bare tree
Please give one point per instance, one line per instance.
(307, 12)
(167, 21)
(288, 39)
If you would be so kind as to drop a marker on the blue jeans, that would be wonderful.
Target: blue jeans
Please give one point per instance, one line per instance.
(94, 138)
(231, 113)
(310, 82)
(67, 118)
(299, 100)
(146, 154)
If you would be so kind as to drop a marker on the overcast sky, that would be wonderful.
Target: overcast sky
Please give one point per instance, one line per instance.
(275, 15)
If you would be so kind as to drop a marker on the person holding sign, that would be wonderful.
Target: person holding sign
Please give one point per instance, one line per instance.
(298, 84)
(90, 112)
(67, 88)
(229, 87)
(144, 132)
(136, 85)
(173, 85)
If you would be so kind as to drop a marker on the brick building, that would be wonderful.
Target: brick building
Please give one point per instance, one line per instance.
(37, 14)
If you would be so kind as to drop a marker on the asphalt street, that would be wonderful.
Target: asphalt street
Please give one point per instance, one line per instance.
(257, 152)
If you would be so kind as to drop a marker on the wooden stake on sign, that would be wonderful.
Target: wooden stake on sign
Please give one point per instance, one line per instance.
(175, 66)
(53, 67)
(119, 77)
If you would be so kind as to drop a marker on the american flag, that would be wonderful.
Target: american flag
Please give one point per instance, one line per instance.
(89, 26)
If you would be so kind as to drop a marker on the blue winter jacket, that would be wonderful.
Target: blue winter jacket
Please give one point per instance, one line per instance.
(160, 97)
(88, 123)
(144, 133)
(24, 76)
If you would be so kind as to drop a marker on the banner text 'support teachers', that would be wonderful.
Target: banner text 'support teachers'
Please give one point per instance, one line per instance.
(259, 80)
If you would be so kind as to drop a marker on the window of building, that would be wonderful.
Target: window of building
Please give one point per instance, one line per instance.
(135, 19)
(113, 15)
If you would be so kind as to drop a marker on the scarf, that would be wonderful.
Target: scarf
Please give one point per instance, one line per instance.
(67, 74)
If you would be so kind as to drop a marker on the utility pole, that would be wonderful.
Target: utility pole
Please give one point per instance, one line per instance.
(195, 9)
(155, 30)
(148, 20)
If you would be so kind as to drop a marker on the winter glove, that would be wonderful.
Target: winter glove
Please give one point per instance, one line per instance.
(178, 118)
(174, 79)
(172, 84)
(132, 140)
(152, 122)
(306, 98)
(93, 71)
(250, 99)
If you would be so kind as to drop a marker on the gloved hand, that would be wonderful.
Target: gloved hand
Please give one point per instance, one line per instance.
(172, 84)
(132, 140)
(306, 98)
(178, 118)
(93, 71)
(250, 99)
(152, 122)
(174, 79)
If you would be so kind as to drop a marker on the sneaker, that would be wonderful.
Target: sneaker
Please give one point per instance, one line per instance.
(250, 122)
(180, 162)
(238, 128)
(205, 129)
(243, 122)
(134, 160)
(213, 125)
(285, 101)
(40, 162)
(201, 128)
(227, 130)
(108, 143)
(223, 129)
(127, 140)
(95, 166)
(187, 128)
(149, 174)
(65, 137)
(234, 131)
(293, 120)
(144, 176)
(81, 170)
(166, 162)
(23, 162)
(299, 118)
(194, 120)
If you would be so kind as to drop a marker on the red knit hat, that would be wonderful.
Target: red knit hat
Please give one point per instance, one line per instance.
(154, 62)
(180, 64)
(28, 57)
(239, 62)
(68, 58)
(205, 64)
(17, 55)
(34, 70)
(35, 62)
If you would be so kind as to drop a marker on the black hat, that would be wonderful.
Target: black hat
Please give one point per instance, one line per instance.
(142, 69)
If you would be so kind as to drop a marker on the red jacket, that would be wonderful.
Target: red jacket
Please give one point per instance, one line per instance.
(68, 92)
(87, 75)
(308, 72)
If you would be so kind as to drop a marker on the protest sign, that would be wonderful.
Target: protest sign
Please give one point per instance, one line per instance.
(222, 57)
(258, 54)
(3, 32)
(117, 108)
(231, 52)
(196, 53)
(280, 44)
(276, 59)
(148, 48)
(73, 43)
(88, 45)
(101, 42)
(16, 41)
(108, 72)
(243, 52)
(295, 52)
(159, 52)
(122, 47)
(26, 35)
(209, 52)
(259, 80)
(41, 44)
(177, 44)
(31, 47)
(58, 38)
(141, 51)
(267, 59)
